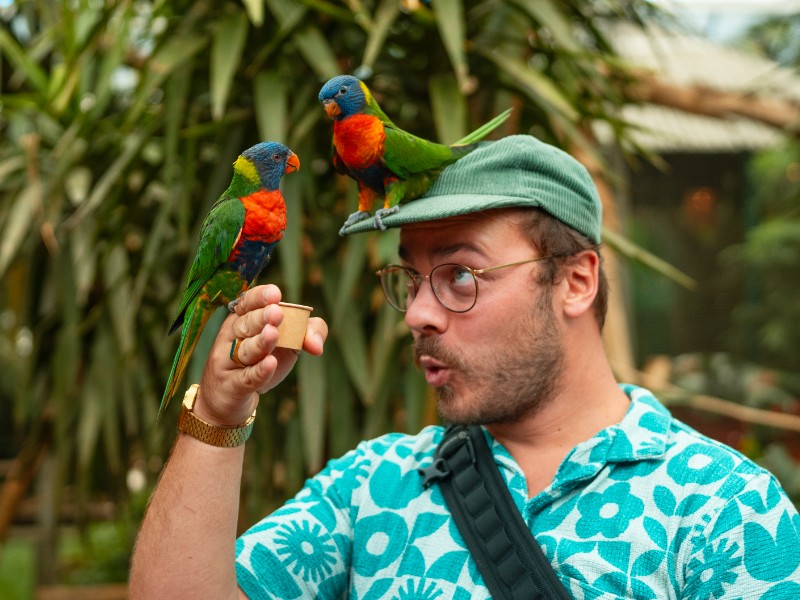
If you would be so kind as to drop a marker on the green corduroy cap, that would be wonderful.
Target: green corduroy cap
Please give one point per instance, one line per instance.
(517, 170)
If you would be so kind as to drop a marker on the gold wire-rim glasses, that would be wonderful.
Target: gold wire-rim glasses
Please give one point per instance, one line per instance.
(416, 278)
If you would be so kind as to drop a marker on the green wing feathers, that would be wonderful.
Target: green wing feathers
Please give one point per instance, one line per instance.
(406, 154)
(221, 228)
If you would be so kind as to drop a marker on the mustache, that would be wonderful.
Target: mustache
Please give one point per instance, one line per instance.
(428, 346)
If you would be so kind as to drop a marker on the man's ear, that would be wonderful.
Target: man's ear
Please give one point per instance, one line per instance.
(581, 279)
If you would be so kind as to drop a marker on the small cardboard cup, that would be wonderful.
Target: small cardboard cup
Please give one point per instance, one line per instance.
(292, 330)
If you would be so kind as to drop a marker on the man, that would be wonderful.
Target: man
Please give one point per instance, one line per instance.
(502, 286)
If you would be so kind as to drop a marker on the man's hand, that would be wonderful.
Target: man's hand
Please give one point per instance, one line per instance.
(229, 391)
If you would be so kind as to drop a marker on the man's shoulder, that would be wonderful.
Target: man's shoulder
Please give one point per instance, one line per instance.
(407, 451)
(403, 447)
(696, 461)
(688, 442)
(381, 471)
(690, 458)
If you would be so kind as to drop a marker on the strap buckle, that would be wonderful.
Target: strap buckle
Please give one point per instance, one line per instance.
(438, 471)
(455, 438)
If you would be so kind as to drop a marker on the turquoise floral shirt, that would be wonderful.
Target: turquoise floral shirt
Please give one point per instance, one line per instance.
(648, 508)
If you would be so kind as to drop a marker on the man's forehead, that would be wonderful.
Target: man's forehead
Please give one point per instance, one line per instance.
(478, 231)
(512, 217)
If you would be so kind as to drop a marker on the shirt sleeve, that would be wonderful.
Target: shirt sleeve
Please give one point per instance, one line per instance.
(749, 549)
(303, 550)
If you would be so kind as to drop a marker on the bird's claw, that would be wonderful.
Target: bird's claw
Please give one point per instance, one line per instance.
(384, 212)
(355, 217)
(232, 305)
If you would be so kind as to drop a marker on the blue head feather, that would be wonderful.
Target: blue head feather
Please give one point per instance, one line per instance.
(347, 92)
(269, 160)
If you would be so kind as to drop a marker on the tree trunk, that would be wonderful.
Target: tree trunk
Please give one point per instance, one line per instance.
(22, 473)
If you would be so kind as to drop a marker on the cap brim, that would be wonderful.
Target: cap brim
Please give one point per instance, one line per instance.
(440, 207)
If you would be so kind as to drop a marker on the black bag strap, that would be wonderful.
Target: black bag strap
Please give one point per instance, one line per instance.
(509, 558)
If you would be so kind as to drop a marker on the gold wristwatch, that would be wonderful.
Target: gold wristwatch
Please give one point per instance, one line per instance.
(224, 437)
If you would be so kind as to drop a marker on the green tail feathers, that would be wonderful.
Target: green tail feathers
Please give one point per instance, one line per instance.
(462, 150)
(195, 320)
(484, 129)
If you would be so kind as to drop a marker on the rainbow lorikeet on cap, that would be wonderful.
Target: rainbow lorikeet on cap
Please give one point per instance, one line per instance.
(236, 242)
(386, 161)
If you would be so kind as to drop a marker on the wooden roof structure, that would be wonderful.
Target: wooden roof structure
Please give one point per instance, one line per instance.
(699, 64)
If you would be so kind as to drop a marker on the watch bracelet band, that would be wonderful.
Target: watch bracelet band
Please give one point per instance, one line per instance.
(214, 435)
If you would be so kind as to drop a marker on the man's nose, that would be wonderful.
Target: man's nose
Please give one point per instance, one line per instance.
(424, 313)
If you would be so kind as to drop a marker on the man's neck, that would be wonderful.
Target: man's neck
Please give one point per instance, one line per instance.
(587, 403)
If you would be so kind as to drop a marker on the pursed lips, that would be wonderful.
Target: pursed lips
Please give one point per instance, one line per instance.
(436, 372)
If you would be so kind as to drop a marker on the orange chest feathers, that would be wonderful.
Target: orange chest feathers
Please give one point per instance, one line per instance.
(265, 216)
(358, 140)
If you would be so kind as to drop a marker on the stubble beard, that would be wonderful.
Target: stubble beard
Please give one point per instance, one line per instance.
(512, 382)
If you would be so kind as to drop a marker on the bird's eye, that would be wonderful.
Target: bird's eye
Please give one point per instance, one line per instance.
(343, 90)
(276, 157)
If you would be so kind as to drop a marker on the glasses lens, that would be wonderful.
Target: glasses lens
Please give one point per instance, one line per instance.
(398, 286)
(455, 287)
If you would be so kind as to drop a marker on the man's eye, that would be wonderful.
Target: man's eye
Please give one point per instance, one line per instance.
(461, 276)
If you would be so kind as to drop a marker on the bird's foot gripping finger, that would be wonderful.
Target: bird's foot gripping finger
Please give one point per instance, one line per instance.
(232, 305)
(384, 212)
(355, 217)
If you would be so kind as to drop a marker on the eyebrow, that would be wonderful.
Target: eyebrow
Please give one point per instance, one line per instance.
(445, 251)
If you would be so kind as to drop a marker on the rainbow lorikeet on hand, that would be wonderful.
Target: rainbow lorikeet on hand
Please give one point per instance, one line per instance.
(386, 161)
(236, 242)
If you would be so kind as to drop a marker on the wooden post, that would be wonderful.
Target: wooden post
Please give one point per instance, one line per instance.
(616, 333)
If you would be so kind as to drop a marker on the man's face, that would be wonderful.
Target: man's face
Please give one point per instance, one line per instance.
(501, 360)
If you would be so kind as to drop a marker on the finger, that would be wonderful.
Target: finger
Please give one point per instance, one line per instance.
(255, 348)
(257, 297)
(258, 376)
(250, 324)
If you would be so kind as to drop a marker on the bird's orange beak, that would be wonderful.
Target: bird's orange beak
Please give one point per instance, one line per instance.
(331, 107)
(293, 164)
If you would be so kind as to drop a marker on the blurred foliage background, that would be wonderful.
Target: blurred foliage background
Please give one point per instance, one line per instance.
(120, 121)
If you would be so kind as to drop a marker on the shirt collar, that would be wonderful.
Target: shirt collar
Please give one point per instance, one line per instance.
(642, 434)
